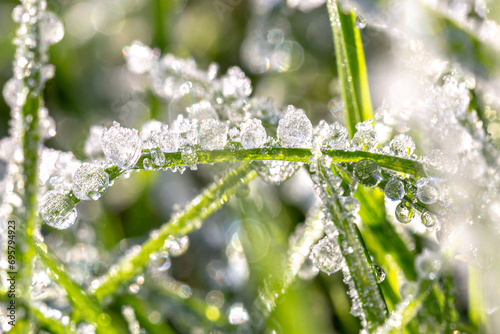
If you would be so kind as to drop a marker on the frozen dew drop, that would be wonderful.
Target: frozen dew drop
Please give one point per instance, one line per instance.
(402, 146)
(14, 93)
(350, 204)
(365, 137)
(277, 171)
(253, 134)
(177, 246)
(168, 140)
(147, 164)
(58, 210)
(189, 157)
(338, 137)
(295, 129)
(404, 212)
(394, 189)
(52, 29)
(428, 219)
(368, 173)
(379, 273)
(213, 134)
(90, 182)
(428, 265)
(121, 145)
(326, 255)
(139, 58)
(427, 191)
(238, 314)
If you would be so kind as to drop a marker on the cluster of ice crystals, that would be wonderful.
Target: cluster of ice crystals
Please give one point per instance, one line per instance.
(58, 210)
(189, 157)
(90, 182)
(121, 145)
(394, 189)
(253, 134)
(365, 137)
(295, 129)
(402, 146)
(213, 134)
(235, 84)
(427, 191)
(368, 173)
(139, 58)
(202, 110)
(51, 29)
(168, 140)
(338, 137)
(326, 255)
(428, 264)
(238, 314)
(404, 212)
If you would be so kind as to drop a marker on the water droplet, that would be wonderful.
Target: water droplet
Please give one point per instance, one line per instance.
(177, 246)
(213, 134)
(360, 22)
(428, 264)
(379, 273)
(90, 182)
(402, 146)
(394, 189)
(295, 129)
(338, 137)
(428, 219)
(14, 93)
(253, 133)
(307, 270)
(326, 255)
(368, 173)
(350, 204)
(365, 137)
(57, 210)
(404, 212)
(121, 145)
(51, 28)
(427, 191)
(238, 314)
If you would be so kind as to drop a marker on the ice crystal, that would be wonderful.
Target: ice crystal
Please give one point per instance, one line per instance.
(368, 173)
(58, 210)
(394, 189)
(295, 129)
(202, 110)
(404, 212)
(326, 255)
(253, 133)
(168, 140)
(338, 137)
(90, 182)
(213, 134)
(121, 145)
(365, 137)
(402, 146)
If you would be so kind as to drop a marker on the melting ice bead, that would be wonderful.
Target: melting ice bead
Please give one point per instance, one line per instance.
(14, 93)
(338, 137)
(177, 246)
(368, 173)
(365, 137)
(57, 210)
(90, 182)
(52, 29)
(213, 134)
(326, 255)
(379, 273)
(394, 189)
(427, 191)
(402, 145)
(139, 58)
(428, 219)
(121, 145)
(428, 264)
(404, 212)
(295, 129)
(253, 134)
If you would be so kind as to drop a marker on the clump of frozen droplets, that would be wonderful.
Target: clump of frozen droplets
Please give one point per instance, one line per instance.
(253, 134)
(326, 255)
(58, 210)
(295, 129)
(121, 145)
(402, 146)
(394, 189)
(213, 134)
(90, 182)
(365, 137)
